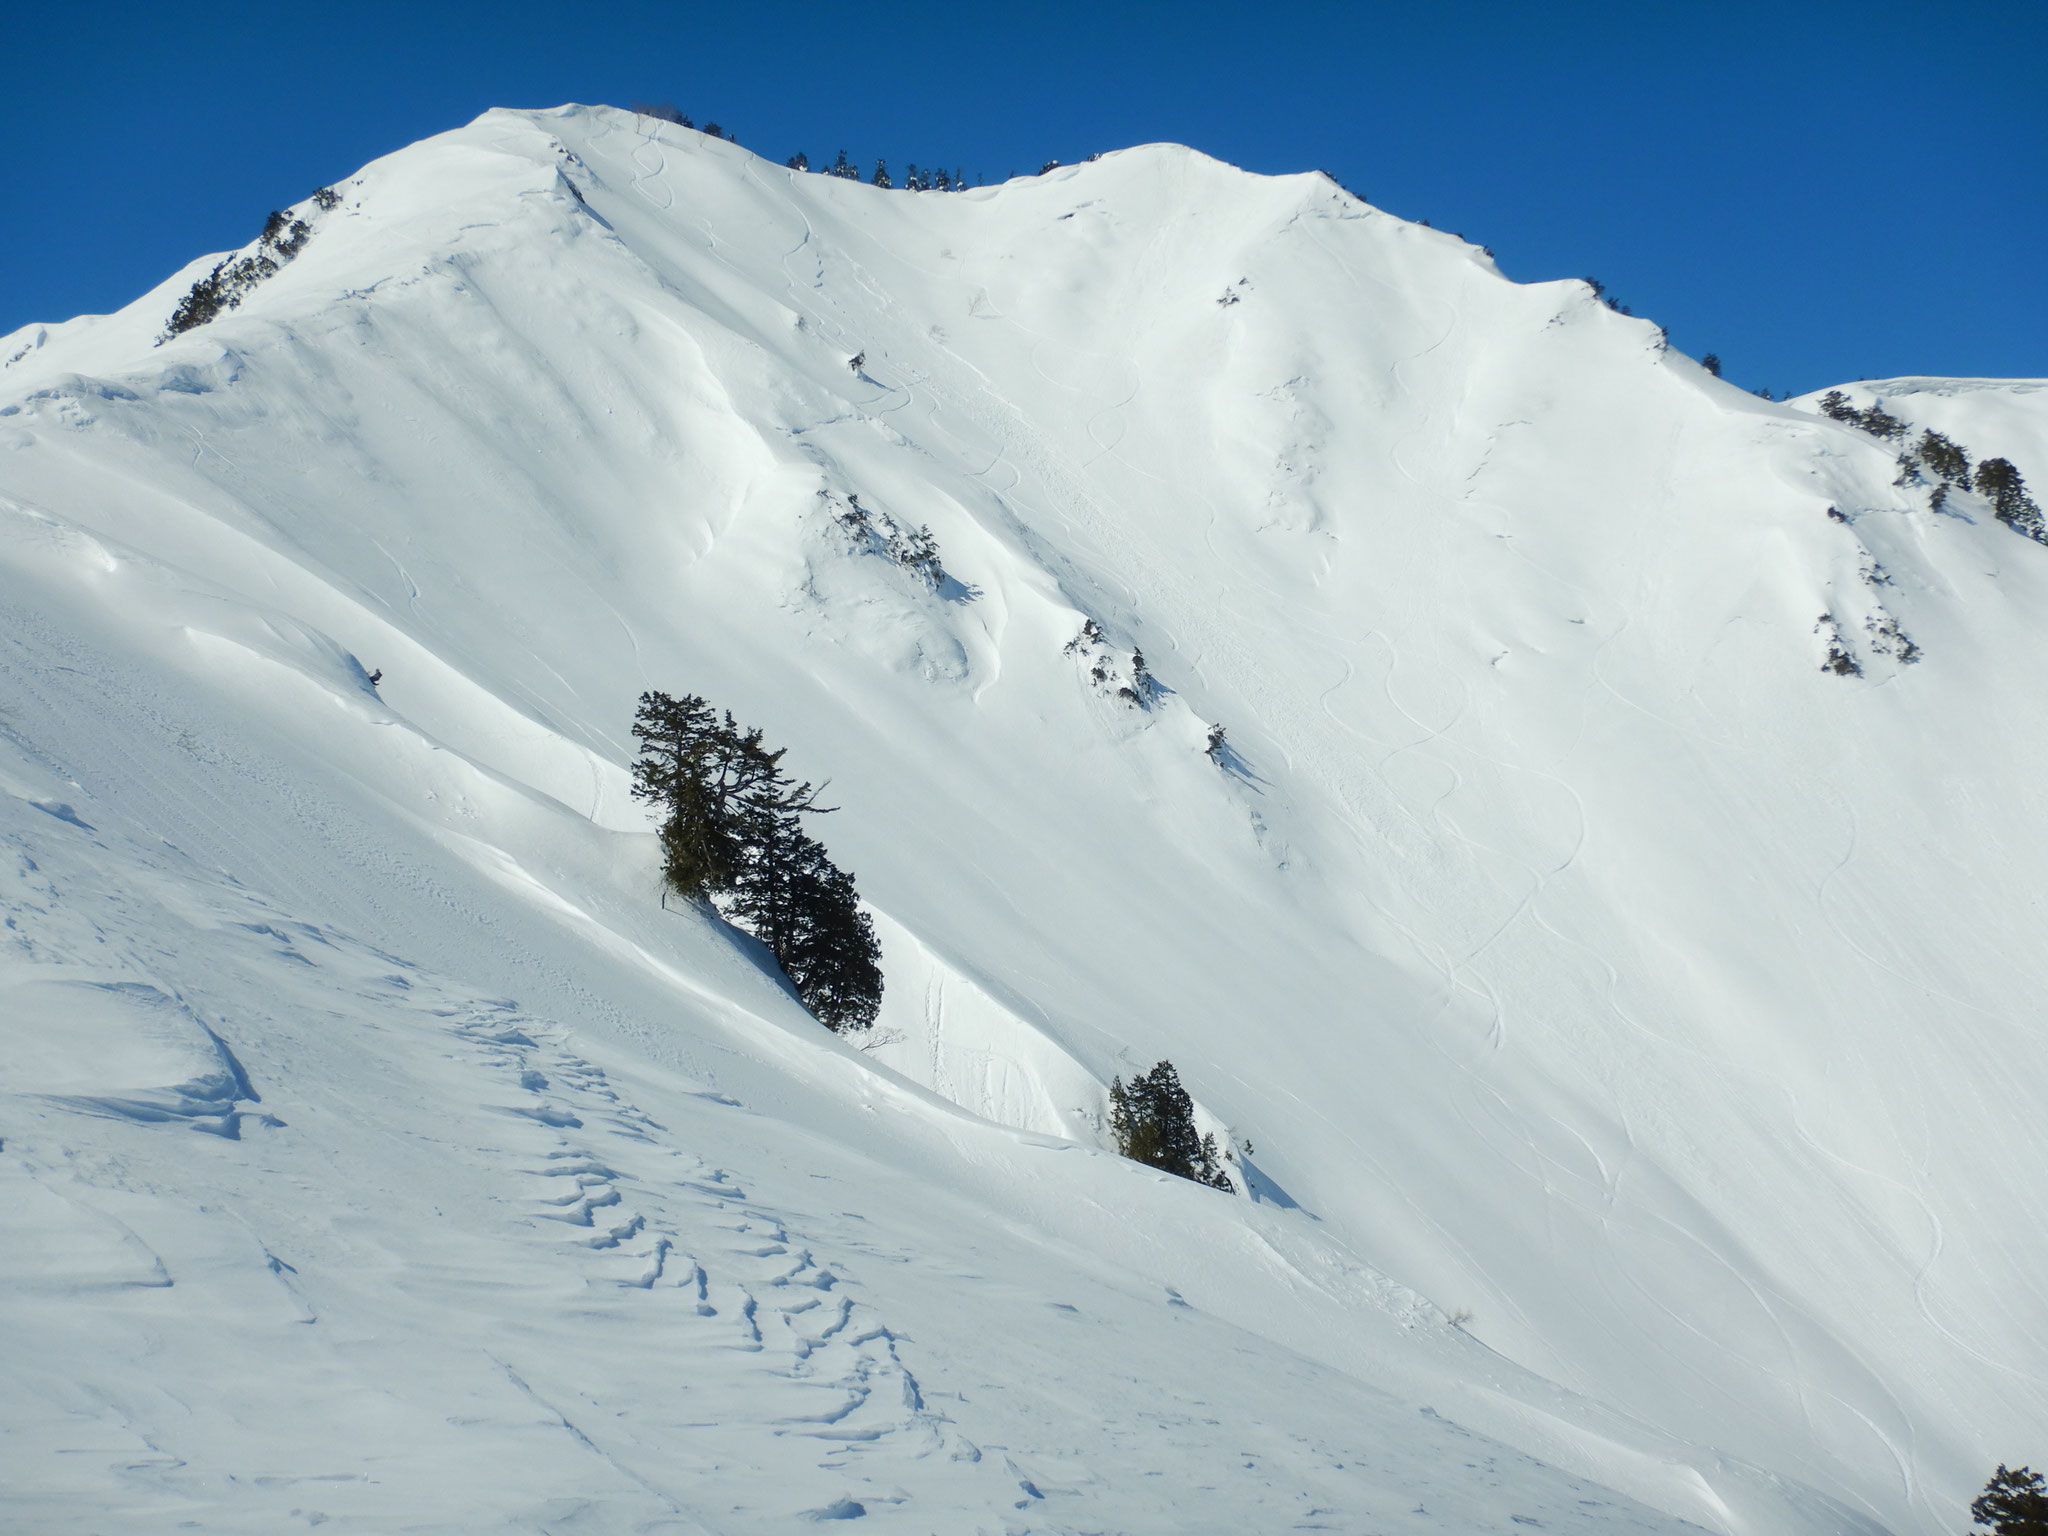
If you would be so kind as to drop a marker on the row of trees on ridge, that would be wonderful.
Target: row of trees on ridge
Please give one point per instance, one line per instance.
(929, 179)
(231, 280)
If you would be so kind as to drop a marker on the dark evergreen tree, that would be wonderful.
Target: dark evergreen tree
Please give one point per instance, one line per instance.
(701, 852)
(2001, 484)
(2012, 1504)
(798, 161)
(1998, 480)
(881, 178)
(835, 960)
(732, 830)
(714, 130)
(795, 900)
(1712, 363)
(325, 198)
(1153, 1120)
(844, 168)
(721, 787)
(1949, 461)
(1050, 165)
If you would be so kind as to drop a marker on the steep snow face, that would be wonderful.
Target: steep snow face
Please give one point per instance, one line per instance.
(1607, 916)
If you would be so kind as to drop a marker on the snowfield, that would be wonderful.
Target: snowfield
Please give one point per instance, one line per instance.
(1608, 936)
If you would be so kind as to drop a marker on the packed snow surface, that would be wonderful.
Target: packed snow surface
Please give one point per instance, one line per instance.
(1607, 933)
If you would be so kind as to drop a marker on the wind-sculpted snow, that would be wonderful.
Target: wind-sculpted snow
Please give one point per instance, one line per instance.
(119, 1048)
(466, 1279)
(1608, 917)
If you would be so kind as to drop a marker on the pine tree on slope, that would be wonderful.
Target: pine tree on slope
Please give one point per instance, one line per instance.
(732, 829)
(722, 788)
(804, 908)
(1153, 1120)
(2000, 482)
(2012, 1504)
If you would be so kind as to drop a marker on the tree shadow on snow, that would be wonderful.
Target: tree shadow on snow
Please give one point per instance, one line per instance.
(1227, 757)
(1261, 1188)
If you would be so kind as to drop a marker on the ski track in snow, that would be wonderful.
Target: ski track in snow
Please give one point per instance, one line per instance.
(711, 1322)
(645, 1215)
(650, 178)
(773, 1343)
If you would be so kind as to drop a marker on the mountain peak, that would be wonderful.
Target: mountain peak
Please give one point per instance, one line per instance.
(1559, 817)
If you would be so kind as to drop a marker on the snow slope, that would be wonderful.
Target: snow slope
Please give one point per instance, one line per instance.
(1579, 957)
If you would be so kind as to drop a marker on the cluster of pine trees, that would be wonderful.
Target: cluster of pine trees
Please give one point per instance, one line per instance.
(1940, 459)
(668, 112)
(930, 179)
(229, 283)
(914, 549)
(1877, 421)
(1092, 647)
(732, 838)
(1153, 1120)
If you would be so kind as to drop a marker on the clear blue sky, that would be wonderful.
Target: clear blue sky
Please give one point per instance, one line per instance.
(1816, 190)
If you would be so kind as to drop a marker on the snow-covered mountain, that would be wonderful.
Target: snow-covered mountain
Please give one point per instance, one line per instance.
(1607, 934)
